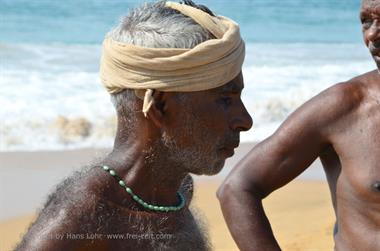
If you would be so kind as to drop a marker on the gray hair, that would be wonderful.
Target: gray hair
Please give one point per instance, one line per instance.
(155, 26)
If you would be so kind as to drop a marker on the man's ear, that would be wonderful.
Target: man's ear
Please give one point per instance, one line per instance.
(157, 111)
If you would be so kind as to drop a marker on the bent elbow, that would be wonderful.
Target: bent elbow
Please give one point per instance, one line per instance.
(224, 191)
(235, 189)
(230, 189)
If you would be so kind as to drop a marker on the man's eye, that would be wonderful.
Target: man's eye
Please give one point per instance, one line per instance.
(366, 22)
(226, 100)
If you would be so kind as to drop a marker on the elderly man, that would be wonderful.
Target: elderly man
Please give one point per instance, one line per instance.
(174, 73)
(341, 126)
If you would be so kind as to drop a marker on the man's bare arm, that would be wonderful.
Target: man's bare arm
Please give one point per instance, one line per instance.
(275, 162)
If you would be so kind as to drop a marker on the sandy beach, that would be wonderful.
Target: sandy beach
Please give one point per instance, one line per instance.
(301, 212)
(301, 216)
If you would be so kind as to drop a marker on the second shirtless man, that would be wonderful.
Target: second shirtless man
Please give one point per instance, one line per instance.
(341, 126)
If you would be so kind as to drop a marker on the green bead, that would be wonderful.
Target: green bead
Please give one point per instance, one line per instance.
(140, 201)
(143, 203)
(181, 197)
(128, 190)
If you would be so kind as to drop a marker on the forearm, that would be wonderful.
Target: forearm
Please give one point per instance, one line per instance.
(246, 219)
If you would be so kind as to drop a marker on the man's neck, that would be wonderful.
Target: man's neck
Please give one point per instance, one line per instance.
(150, 174)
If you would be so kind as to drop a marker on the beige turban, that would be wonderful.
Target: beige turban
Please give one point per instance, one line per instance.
(208, 65)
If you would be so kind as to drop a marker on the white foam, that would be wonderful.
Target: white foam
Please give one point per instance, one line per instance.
(39, 83)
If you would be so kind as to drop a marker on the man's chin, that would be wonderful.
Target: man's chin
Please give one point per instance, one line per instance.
(213, 170)
(377, 61)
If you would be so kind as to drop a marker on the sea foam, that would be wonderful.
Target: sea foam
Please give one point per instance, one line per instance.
(51, 96)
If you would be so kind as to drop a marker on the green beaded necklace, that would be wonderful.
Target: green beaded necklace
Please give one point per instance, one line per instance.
(140, 201)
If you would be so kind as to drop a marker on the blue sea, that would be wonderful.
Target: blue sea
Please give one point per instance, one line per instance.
(51, 96)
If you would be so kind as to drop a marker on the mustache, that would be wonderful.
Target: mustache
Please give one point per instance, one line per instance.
(232, 140)
(374, 48)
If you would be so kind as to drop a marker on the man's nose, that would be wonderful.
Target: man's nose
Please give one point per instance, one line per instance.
(373, 33)
(243, 121)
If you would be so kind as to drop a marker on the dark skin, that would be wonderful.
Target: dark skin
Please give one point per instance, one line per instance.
(95, 203)
(341, 126)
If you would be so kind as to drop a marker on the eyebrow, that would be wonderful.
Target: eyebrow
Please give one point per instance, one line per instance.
(232, 88)
(368, 12)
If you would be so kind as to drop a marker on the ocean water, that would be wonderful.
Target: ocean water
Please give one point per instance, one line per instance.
(51, 96)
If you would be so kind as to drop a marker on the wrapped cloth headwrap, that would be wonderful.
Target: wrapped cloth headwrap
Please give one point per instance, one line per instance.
(208, 65)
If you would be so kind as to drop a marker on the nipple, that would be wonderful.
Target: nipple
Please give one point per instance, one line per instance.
(376, 186)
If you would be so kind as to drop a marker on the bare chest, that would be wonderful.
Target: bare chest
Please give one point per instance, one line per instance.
(126, 231)
(357, 145)
(353, 172)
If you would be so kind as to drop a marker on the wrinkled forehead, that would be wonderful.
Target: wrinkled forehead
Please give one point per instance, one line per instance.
(371, 5)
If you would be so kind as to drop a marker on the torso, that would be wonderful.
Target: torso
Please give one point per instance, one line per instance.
(354, 176)
(87, 220)
(127, 230)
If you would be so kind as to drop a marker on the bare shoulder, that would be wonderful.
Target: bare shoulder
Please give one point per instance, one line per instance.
(317, 118)
(334, 103)
(343, 97)
(66, 210)
(348, 96)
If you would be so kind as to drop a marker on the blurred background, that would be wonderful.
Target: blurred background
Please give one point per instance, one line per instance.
(55, 116)
(50, 92)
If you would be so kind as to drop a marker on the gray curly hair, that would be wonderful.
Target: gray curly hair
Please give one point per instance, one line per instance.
(156, 26)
